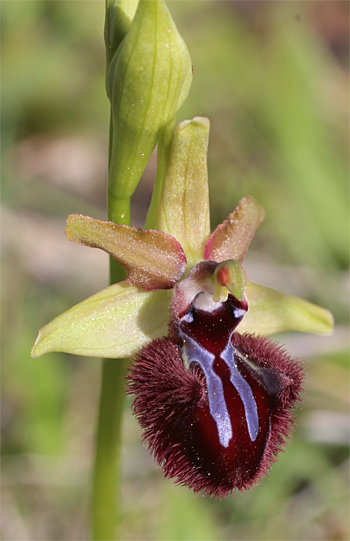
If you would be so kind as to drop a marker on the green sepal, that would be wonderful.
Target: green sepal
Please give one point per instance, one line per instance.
(115, 323)
(149, 79)
(184, 202)
(273, 312)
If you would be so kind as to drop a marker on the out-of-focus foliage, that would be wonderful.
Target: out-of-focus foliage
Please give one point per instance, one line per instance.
(273, 79)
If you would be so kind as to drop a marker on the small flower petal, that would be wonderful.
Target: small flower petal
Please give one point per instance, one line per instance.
(231, 239)
(272, 312)
(114, 323)
(152, 259)
(184, 202)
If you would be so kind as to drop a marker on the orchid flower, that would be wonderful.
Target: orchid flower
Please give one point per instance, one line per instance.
(213, 393)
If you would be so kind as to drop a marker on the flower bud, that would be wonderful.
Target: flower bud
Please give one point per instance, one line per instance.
(119, 15)
(149, 78)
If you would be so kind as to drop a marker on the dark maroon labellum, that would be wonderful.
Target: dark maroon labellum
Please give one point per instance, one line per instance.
(215, 406)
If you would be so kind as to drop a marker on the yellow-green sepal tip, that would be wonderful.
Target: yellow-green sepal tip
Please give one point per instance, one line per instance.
(272, 312)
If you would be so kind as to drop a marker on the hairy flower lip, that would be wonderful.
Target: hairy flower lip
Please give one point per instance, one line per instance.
(167, 397)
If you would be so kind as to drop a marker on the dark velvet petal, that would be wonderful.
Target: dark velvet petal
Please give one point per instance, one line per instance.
(172, 406)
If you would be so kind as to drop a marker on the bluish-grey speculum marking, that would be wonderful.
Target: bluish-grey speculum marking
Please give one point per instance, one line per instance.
(244, 390)
(195, 353)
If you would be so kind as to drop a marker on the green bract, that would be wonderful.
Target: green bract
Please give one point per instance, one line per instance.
(149, 78)
(120, 319)
(119, 16)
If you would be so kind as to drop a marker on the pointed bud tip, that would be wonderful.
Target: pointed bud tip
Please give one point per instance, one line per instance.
(198, 121)
(148, 81)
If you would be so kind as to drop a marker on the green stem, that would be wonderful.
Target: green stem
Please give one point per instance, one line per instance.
(106, 476)
(105, 516)
(106, 479)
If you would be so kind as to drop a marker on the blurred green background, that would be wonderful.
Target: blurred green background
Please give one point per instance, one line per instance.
(273, 79)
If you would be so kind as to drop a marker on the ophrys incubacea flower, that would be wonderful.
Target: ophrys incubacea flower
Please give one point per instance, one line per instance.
(213, 394)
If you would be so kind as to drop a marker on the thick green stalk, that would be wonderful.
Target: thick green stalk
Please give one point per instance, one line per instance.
(106, 477)
(106, 480)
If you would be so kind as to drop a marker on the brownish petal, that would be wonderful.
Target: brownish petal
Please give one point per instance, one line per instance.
(152, 259)
(231, 239)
